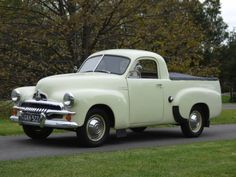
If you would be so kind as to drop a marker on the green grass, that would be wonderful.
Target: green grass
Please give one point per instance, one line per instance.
(225, 99)
(6, 126)
(226, 117)
(9, 128)
(195, 160)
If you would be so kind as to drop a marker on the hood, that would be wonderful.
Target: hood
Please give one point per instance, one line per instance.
(60, 84)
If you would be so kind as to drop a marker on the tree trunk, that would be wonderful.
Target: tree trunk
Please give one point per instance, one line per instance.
(231, 94)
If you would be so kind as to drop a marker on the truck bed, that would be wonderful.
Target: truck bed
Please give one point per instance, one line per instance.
(180, 76)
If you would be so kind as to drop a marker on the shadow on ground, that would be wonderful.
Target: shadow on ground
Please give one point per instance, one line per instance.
(69, 140)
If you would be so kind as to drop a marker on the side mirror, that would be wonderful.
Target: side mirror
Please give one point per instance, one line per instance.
(75, 69)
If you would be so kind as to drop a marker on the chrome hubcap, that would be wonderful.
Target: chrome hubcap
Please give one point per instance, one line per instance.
(95, 127)
(195, 121)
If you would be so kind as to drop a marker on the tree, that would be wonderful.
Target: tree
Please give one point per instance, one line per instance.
(228, 58)
(208, 15)
(45, 37)
(170, 28)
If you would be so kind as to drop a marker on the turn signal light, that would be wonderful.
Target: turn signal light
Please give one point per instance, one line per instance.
(14, 112)
(68, 117)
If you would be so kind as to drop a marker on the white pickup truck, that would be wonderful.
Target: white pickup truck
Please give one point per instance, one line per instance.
(117, 89)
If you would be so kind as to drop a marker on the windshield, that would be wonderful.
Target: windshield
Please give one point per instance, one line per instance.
(105, 63)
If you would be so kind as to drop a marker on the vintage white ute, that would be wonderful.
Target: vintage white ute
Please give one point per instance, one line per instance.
(118, 89)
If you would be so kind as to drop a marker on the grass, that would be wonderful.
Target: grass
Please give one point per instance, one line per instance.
(226, 117)
(225, 99)
(9, 128)
(195, 160)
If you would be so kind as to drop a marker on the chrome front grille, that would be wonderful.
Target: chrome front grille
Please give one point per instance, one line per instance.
(35, 110)
(42, 107)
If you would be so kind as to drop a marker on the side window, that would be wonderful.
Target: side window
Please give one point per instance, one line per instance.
(148, 69)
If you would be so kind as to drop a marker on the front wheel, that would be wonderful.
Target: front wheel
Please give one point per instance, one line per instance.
(95, 130)
(193, 126)
(37, 133)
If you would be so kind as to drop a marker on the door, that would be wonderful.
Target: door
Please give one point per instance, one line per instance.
(145, 93)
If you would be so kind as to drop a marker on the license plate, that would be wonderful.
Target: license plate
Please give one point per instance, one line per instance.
(30, 117)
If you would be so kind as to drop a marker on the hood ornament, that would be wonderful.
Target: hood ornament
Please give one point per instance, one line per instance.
(37, 95)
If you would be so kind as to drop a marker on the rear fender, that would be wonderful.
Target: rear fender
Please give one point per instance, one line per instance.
(187, 98)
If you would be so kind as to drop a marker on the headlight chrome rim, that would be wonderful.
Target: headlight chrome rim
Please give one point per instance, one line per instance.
(15, 96)
(68, 100)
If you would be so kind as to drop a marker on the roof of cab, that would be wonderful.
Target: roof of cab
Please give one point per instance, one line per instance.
(134, 54)
(130, 53)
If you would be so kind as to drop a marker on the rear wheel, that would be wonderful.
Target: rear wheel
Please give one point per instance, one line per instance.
(95, 130)
(37, 133)
(138, 129)
(194, 125)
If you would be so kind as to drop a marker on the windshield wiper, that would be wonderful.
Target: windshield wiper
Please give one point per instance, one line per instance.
(103, 71)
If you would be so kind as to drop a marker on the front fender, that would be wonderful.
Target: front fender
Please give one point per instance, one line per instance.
(187, 98)
(26, 92)
(115, 99)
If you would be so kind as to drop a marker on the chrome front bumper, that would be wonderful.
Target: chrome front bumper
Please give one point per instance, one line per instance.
(44, 114)
(47, 123)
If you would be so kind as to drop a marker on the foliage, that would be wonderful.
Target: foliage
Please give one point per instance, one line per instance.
(40, 38)
(212, 23)
(228, 58)
(5, 109)
(45, 37)
(225, 98)
(171, 30)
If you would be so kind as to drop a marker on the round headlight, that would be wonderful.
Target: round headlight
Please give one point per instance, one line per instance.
(15, 96)
(68, 100)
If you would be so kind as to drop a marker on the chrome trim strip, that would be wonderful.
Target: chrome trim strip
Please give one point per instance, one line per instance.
(47, 112)
(62, 112)
(48, 123)
(45, 102)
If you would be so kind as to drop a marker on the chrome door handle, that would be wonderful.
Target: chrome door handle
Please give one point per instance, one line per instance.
(159, 85)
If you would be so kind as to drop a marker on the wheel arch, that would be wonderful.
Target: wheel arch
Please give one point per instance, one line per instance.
(115, 102)
(108, 110)
(204, 108)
